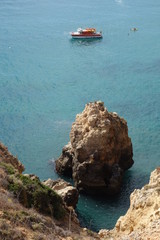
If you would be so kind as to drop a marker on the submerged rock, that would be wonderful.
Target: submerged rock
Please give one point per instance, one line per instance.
(99, 151)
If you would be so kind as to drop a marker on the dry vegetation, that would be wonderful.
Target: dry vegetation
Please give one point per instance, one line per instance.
(29, 210)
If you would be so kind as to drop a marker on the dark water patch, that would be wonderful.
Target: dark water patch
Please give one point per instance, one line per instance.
(146, 67)
(103, 207)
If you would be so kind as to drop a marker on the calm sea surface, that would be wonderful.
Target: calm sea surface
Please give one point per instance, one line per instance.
(46, 79)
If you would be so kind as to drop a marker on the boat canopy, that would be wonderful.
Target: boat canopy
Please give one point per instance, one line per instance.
(90, 29)
(86, 30)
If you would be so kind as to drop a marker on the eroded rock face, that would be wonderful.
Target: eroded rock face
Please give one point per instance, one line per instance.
(99, 150)
(142, 220)
(64, 164)
(7, 157)
(68, 193)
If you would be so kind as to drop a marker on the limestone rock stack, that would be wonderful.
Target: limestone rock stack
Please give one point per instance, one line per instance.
(99, 150)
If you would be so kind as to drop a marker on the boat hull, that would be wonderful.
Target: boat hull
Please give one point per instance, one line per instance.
(85, 36)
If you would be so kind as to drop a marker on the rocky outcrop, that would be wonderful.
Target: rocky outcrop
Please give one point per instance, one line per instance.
(99, 151)
(64, 163)
(30, 210)
(68, 193)
(7, 157)
(142, 220)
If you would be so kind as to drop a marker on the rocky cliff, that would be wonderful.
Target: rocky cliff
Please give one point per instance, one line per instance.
(20, 222)
(142, 220)
(29, 210)
(99, 150)
(7, 157)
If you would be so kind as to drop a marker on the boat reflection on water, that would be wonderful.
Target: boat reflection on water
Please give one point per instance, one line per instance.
(85, 42)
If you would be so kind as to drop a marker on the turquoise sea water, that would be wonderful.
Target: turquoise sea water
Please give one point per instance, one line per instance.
(46, 79)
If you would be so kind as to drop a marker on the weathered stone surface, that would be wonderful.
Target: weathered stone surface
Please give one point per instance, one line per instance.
(68, 193)
(7, 157)
(142, 220)
(64, 165)
(99, 150)
(31, 176)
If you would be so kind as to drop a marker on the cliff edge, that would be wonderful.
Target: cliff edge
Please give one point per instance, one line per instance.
(142, 220)
(30, 210)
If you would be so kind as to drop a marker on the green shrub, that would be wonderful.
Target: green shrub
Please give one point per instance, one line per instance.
(32, 193)
(15, 187)
(8, 167)
(47, 201)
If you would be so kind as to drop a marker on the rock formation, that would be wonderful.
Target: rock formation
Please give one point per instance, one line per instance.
(7, 157)
(99, 151)
(28, 208)
(142, 220)
(68, 193)
(64, 163)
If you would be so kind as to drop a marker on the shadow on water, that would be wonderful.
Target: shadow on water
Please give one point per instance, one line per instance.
(97, 212)
(90, 208)
(85, 42)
